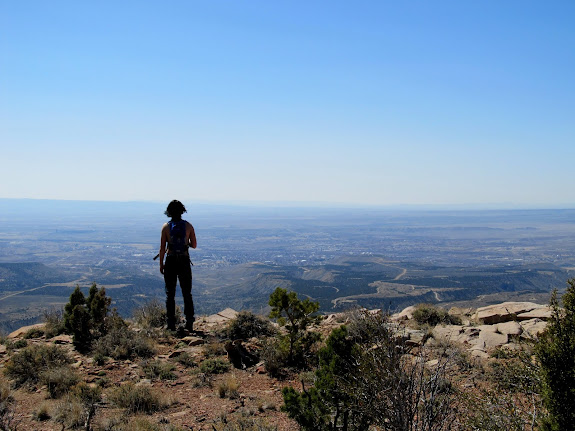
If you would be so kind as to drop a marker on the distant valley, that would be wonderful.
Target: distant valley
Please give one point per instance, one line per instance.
(375, 258)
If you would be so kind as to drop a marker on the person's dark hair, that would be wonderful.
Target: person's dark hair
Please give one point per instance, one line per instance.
(175, 209)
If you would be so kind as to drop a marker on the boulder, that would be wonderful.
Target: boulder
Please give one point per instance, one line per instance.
(18, 333)
(228, 313)
(415, 337)
(405, 314)
(490, 340)
(221, 317)
(509, 328)
(447, 333)
(504, 312)
(532, 328)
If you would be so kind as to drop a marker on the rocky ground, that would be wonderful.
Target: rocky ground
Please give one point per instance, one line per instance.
(194, 400)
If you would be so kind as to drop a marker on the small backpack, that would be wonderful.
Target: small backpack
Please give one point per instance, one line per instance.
(178, 240)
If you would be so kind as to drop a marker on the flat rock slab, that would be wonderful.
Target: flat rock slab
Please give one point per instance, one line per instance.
(543, 313)
(221, 317)
(20, 332)
(504, 312)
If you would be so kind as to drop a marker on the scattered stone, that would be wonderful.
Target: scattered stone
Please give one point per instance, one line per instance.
(2, 349)
(175, 354)
(193, 341)
(479, 352)
(415, 337)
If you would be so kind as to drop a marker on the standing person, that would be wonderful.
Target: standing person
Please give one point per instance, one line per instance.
(177, 236)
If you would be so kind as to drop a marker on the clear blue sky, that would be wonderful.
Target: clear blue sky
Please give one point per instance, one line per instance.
(363, 102)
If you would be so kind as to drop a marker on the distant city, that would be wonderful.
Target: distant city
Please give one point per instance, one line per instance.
(341, 257)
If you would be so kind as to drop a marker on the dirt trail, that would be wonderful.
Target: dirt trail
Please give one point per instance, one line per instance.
(401, 275)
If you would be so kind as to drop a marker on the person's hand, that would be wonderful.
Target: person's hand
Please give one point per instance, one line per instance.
(161, 268)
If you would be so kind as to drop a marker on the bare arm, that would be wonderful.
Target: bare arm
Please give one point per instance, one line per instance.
(192, 242)
(163, 242)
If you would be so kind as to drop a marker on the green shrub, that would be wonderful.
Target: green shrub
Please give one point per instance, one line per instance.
(58, 380)
(427, 314)
(54, 323)
(186, 360)
(123, 343)
(137, 398)
(275, 355)
(229, 388)
(34, 333)
(70, 412)
(27, 365)
(247, 325)
(19, 343)
(42, 413)
(157, 369)
(135, 424)
(364, 381)
(245, 424)
(6, 405)
(151, 315)
(212, 350)
(214, 366)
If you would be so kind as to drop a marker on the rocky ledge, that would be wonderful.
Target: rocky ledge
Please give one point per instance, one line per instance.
(495, 326)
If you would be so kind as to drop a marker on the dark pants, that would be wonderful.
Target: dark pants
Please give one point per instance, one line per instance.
(178, 267)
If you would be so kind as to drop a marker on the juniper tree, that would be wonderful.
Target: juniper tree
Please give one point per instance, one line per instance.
(555, 350)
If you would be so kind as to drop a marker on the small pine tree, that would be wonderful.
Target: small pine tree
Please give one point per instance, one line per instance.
(296, 315)
(84, 318)
(77, 298)
(98, 306)
(555, 350)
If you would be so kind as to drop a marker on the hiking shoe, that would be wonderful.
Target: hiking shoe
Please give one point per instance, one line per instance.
(190, 324)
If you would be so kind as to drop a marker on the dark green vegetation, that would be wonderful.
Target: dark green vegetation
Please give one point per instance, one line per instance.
(556, 353)
(296, 316)
(363, 379)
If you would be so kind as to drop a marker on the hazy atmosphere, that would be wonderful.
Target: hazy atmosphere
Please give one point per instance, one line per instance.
(369, 102)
